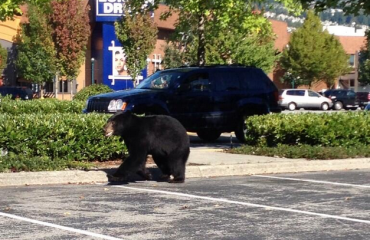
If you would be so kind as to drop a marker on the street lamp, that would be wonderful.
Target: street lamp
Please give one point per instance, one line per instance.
(92, 70)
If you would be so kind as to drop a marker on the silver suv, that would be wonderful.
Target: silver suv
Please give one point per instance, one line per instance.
(303, 98)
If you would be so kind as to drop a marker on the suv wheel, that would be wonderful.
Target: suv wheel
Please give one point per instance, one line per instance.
(338, 105)
(324, 106)
(241, 129)
(209, 135)
(292, 106)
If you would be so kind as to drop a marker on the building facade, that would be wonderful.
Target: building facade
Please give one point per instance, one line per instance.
(105, 62)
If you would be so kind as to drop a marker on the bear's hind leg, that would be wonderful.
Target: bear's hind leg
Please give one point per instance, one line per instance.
(177, 166)
(163, 166)
(178, 176)
(144, 173)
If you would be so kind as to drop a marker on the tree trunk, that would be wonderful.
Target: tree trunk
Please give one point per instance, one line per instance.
(202, 41)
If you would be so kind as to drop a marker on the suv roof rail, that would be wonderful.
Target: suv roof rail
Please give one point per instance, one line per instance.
(217, 65)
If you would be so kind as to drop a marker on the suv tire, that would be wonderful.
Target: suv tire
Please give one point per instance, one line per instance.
(209, 135)
(338, 105)
(241, 129)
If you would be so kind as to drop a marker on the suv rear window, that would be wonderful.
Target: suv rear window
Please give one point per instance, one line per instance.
(240, 79)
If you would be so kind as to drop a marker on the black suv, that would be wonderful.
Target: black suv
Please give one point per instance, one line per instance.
(207, 100)
(342, 98)
(23, 93)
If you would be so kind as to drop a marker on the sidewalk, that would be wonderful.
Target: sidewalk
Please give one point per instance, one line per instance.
(203, 163)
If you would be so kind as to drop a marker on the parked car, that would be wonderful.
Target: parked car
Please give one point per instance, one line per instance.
(23, 93)
(207, 100)
(363, 99)
(342, 98)
(303, 98)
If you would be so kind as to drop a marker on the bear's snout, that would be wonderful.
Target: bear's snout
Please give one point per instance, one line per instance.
(108, 129)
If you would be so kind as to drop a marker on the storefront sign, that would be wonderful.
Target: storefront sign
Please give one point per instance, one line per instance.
(110, 10)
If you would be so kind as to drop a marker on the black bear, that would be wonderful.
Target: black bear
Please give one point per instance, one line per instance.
(161, 136)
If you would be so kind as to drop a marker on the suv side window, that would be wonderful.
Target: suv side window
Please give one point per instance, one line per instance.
(197, 82)
(339, 94)
(226, 81)
(351, 93)
(255, 79)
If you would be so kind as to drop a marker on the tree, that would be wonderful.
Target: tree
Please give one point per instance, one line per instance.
(35, 49)
(234, 47)
(137, 34)
(11, 8)
(54, 39)
(70, 22)
(229, 48)
(3, 57)
(364, 62)
(207, 19)
(334, 60)
(349, 6)
(313, 54)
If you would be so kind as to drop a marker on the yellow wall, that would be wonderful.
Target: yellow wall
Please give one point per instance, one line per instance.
(8, 29)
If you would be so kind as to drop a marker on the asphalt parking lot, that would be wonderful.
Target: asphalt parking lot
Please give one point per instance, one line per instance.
(320, 205)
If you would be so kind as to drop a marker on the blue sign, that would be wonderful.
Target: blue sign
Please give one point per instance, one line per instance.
(109, 10)
(115, 74)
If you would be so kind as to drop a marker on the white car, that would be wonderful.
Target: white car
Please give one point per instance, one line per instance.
(303, 98)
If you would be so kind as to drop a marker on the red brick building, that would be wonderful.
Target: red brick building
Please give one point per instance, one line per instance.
(352, 46)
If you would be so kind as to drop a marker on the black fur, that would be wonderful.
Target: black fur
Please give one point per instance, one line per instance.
(161, 136)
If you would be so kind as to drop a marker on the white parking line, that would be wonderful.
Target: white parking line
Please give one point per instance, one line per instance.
(59, 227)
(247, 204)
(313, 181)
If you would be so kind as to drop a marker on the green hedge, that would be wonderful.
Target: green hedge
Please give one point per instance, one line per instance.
(325, 129)
(15, 163)
(69, 136)
(47, 106)
(55, 129)
(91, 90)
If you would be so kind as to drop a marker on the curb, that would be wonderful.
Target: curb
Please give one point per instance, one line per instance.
(199, 171)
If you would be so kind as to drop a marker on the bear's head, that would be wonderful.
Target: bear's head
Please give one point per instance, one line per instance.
(116, 124)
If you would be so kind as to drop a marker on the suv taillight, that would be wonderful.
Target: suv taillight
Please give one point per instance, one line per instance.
(368, 96)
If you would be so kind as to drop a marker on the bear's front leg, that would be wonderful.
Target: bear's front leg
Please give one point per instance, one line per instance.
(112, 178)
(132, 164)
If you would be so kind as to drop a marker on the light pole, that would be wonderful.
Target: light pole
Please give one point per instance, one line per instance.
(92, 70)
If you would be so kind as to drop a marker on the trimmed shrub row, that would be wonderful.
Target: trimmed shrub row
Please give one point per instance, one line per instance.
(16, 163)
(69, 136)
(325, 129)
(305, 151)
(47, 106)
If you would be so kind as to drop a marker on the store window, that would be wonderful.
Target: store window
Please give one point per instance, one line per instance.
(63, 86)
(352, 60)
